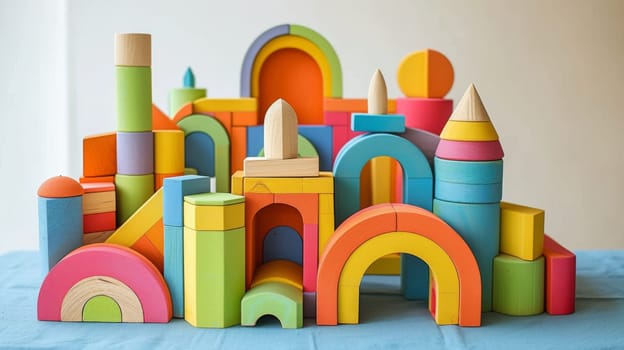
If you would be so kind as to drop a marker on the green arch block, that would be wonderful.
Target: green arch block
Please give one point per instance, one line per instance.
(281, 300)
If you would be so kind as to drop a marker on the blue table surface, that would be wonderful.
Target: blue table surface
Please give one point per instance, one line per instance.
(387, 321)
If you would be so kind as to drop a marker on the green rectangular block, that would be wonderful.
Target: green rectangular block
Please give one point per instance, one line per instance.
(214, 277)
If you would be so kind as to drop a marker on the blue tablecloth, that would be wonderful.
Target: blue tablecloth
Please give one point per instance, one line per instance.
(387, 321)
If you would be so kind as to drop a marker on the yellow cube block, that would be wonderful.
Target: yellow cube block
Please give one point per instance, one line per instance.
(521, 231)
(214, 211)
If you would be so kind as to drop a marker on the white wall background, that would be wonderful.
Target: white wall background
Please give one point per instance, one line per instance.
(549, 72)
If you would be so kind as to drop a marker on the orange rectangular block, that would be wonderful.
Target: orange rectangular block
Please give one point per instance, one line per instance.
(98, 222)
(147, 249)
(238, 140)
(244, 118)
(94, 179)
(99, 155)
(225, 118)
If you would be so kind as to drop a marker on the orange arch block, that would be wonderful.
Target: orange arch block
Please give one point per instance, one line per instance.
(378, 220)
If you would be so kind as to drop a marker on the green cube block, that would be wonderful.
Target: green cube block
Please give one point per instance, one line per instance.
(518, 286)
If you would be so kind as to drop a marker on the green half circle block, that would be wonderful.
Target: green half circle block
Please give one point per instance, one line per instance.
(518, 286)
(304, 146)
(278, 299)
(101, 308)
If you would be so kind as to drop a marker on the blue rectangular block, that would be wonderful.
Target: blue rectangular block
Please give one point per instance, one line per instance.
(321, 136)
(255, 140)
(174, 267)
(175, 188)
(377, 122)
(60, 228)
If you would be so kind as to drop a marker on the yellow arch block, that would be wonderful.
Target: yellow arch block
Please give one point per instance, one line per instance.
(291, 42)
(456, 130)
(440, 264)
(283, 271)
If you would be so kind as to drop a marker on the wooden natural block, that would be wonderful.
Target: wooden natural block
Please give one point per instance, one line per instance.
(377, 94)
(522, 231)
(133, 49)
(95, 237)
(280, 131)
(98, 202)
(294, 167)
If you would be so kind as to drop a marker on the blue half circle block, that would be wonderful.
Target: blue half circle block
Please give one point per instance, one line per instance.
(468, 172)
(468, 193)
(378, 122)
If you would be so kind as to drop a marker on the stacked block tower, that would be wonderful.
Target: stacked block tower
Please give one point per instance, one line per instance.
(309, 195)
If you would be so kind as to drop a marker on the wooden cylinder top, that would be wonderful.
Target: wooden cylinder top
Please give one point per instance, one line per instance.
(133, 49)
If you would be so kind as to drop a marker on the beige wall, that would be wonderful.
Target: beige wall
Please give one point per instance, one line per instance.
(549, 72)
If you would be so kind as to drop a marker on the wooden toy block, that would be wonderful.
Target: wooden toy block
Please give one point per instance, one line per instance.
(294, 167)
(99, 202)
(76, 303)
(189, 93)
(283, 243)
(214, 211)
(389, 218)
(168, 151)
(345, 105)
(198, 123)
(305, 148)
(324, 183)
(386, 265)
(135, 153)
(99, 222)
(427, 114)
(173, 271)
(282, 271)
(134, 98)
(237, 183)
(280, 131)
(255, 140)
(148, 249)
(96, 187)
(474, 173)
(394, 123)
(320, 136)
(281, 300)
(160, 121)
(309, 304)
(252, 52)
(173, 196)
(101, 308)
(214, 277)
(521, 231)
(468, 193)
(470, 150)
(560, 278)
(99, 155)
(306, 204)
(377, 94)
(96, 269)
(60, 219)
(336, 118)
(95, 237)
(199, 153)
(441, 264)
(148, 216)
(518, 286)
(131, 192)
(418, 182)
(159, 179)
(427, 73)
(133, 49)
(98, 179)
(207, 105)
(239, 147)
(456, 130)
(479, 226)
(426, 141)
(326, 229)
(225, 118)
(382, 179)
(310, 256)
(244, 118)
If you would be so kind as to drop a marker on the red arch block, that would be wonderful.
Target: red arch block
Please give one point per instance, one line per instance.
(377, 220)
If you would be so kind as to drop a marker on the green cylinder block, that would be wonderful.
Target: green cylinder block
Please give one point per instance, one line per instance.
(131, 192)
(134, 98)
(518, 286)
(182, 96)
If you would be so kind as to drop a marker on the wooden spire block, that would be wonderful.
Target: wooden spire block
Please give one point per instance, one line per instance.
(377, 94)
(133, 49)
(470, 107)
(280, 131)
(469, 121)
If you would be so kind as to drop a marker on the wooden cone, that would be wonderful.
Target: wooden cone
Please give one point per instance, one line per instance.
(377, 94)
(470, 107)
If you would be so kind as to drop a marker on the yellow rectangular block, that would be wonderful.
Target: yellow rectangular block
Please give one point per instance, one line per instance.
(326, 203)
(98, 202)
(521, 231)
(207, 105)
(140, 222)
(273, 185)
(325, 231)
(237, 183)
(214, 217)
(294, 167)
(324, 183)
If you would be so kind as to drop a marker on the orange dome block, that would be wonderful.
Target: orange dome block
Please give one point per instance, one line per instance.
(60, 187)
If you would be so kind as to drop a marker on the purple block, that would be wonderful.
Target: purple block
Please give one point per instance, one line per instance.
(135, 153)
(426, 141)
(252, 52)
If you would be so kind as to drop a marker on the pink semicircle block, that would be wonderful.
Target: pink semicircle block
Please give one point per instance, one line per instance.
(469, 150)
(105, 259)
